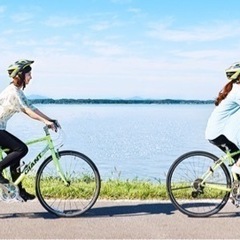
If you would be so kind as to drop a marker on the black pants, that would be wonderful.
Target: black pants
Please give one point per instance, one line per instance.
(224, 144)
(18, 150)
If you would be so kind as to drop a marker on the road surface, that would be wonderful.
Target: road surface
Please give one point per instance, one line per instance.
(117, 220)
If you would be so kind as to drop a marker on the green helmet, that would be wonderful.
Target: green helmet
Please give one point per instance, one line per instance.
(18, 67)
(233, 72)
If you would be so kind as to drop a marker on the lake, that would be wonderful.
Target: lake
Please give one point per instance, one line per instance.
(125, 141)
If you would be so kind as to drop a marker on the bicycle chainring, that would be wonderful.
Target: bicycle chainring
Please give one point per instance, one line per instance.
(9, 193)
(236, 191)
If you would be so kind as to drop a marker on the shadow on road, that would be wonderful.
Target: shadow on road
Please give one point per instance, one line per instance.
(105, 211)
(131, 210)
(44, 215)
(223, 214)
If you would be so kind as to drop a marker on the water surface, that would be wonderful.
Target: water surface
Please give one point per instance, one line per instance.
(126, 141)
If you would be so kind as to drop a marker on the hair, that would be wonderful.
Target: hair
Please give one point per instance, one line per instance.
(18, 82)
(224, 92)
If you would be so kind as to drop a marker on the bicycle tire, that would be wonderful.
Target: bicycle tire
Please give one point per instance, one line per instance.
(82, 192)
(182, 178)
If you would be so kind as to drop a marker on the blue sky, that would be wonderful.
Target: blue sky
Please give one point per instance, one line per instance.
(121, 48)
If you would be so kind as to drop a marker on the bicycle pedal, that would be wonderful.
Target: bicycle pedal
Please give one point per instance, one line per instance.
(9, 186)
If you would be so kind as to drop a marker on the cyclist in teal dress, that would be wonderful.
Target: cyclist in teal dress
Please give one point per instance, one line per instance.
(223, 125)
(13, 100)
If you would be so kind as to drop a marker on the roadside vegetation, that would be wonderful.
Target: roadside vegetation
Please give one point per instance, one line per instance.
(132, 189)
(117, 189)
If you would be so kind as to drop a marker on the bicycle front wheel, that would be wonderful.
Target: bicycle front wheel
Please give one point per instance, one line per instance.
(186, 191)
(74, 198)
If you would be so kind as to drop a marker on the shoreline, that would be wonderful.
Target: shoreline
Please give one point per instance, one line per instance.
(118, 101)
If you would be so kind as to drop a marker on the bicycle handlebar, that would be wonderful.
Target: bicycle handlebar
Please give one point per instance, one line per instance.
(56, 123)
(56, 126)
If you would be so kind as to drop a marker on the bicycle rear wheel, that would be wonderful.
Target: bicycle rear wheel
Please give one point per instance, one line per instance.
(79, 195)
(184, 178)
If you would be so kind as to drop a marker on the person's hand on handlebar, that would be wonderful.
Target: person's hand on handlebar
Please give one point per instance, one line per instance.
(53, 124)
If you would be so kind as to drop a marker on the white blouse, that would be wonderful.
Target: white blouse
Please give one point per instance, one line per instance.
(12, 100)
(225, 118)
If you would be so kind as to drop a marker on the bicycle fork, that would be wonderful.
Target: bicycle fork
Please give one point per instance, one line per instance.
(56, 158)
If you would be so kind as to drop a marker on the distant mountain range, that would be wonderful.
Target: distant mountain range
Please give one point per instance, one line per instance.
(34, 96)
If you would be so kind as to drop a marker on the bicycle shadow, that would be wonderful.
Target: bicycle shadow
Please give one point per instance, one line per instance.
(224, 214)
(105, 211)
(131, 210)
(44, 215)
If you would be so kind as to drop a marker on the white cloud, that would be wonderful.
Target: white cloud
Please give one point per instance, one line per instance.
(104, 48)
(200, 33)
(107, 24)
(58, 21)
(205, 54)
(104, 51)
(22, 17)
(101, 26)
(134, 10)
(15, 32)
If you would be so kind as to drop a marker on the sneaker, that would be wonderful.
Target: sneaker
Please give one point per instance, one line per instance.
(25, 195)
(235, 169)
(2, 179)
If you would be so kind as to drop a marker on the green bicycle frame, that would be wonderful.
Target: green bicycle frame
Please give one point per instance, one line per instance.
(49, 147)
(211, 170)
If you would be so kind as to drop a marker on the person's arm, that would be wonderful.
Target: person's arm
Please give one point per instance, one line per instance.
(38, 112)
(26, 107)
(38, 115)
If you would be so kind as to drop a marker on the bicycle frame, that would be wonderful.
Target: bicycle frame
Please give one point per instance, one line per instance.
(49, 147)
(227, 157)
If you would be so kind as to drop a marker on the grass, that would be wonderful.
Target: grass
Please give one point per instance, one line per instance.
(132, 189)
(115, 189)
(110, 189)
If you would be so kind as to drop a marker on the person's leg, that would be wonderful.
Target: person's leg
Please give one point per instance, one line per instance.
(224, 144)
(18, 150)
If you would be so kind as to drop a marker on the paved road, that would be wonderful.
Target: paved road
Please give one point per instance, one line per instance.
(117, 220)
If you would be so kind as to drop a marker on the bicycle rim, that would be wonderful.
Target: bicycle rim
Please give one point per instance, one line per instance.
(81, 193)
(186, 173)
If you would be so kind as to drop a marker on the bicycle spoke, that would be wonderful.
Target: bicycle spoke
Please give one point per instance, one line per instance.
(81, 192)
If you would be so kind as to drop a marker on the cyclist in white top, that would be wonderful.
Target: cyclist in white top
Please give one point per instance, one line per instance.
(13, 100)
(223, 124)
